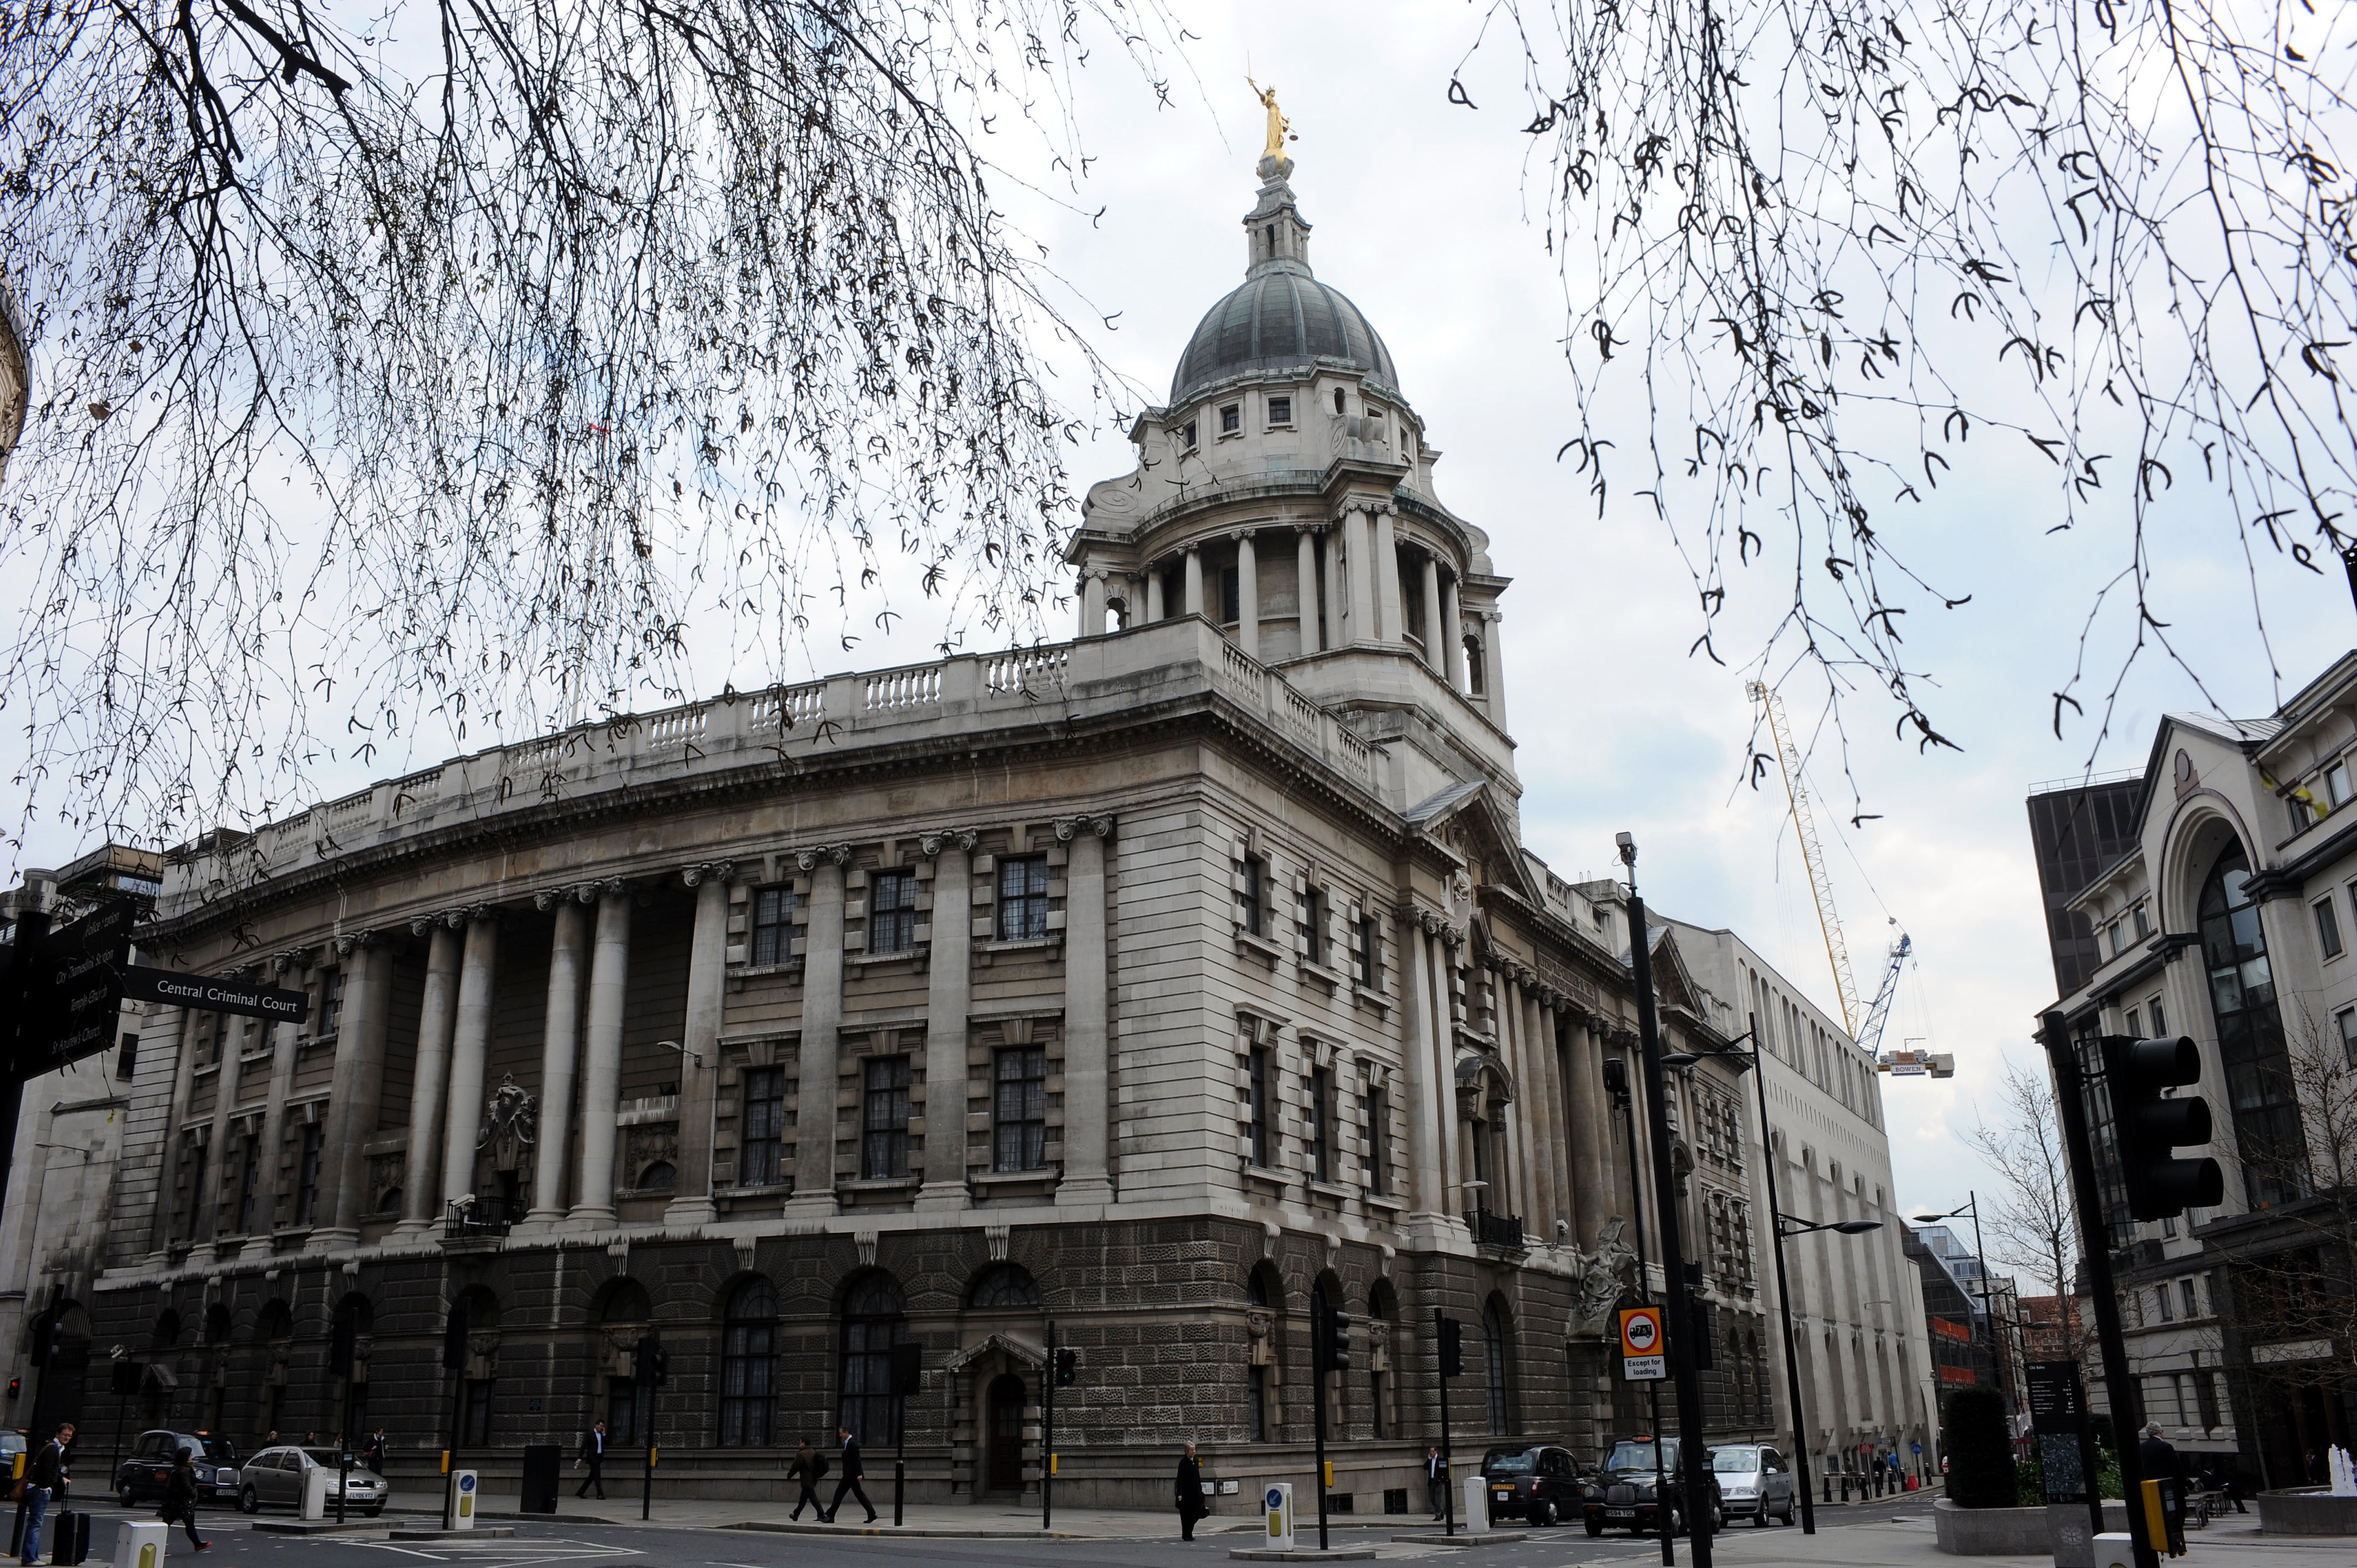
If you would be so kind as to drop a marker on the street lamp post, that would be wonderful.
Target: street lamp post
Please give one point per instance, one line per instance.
(1616, 1083)
(1971, 1205)
(1746, 1061)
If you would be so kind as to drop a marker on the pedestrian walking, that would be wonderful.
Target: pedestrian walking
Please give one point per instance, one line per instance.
(1190, 1493)
(1435, 1479)
(2161, 1463)
(593, 1453)
(809, 1469)
(45, 1480)
(372, 1456)
(852, 1476)
(180, 1498)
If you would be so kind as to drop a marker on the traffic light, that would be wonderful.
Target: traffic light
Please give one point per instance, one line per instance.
(1452, 1349)
(1333, 1339)
(1067, 1367)
(651, 1363)
(2151, 1127)
(908, 1369)
(15, 1387)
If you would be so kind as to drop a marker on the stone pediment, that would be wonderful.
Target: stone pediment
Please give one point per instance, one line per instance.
(1014, 1346)
(1467, 819)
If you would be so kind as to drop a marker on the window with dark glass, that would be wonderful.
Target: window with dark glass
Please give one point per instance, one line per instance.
(2250, 1046)
(761, 1144)
(477, 1428)
(1379, 1143)
(306, 1175)
(248, 1185)
(1280, 411)
(873, 1322)
(622, 1412)
(1187, 436)
(331, 1002)
(1319, 1131)
(885, 1145)
(1020, 1116)
(1493, 1367)
(1365, 966)
(1230, 599)
(2328, 928)
(1023, 898)
(1004, 1286)
(1231, 419)
(891, 911)
(1312, 921)
(1249, 895)
(748, 1366)
(1259, 1107)
(1256, 1376)
(773, 925)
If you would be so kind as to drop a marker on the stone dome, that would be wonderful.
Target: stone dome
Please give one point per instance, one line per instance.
(1282, 318)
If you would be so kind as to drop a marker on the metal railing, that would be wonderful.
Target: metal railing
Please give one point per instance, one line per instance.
(1495, 1229)
(484, 1214)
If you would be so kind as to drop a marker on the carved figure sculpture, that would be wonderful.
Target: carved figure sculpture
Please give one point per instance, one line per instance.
(1603, 1276)
(512, 1125)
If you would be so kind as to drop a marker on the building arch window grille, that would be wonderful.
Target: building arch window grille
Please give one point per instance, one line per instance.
(874, 1320)
(1004, 1285)
(749, 1359)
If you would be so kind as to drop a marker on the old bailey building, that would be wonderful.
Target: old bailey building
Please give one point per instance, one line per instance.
(1158, 983)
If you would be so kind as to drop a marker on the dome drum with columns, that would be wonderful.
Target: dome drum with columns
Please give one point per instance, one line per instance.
(1285, 495)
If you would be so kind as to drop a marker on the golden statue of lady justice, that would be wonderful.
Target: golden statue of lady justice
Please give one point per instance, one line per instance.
(1279, 127)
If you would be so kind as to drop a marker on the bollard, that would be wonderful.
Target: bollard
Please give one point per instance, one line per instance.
(140, 1545)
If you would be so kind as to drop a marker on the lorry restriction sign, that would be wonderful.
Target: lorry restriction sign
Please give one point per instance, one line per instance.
(1642, 1355)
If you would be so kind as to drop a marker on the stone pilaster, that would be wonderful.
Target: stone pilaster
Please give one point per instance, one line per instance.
(357, 1097)
(470, 1043)
(1088, 1108)
(699, 1066)
(949, 991)
(1305, 577)
(421, 1178)
(1247, 594)
(1390, 624)
(601, 1058)
(1452, 636)
(560, 1054)
(822, 1032)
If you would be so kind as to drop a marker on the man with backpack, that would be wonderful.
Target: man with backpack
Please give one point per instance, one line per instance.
(45, 1478)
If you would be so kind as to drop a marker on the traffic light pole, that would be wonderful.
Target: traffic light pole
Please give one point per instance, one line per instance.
(1645, 1298)
(1320, 1343)
(1048, 1445)
(2095, 1252)
(1447, 1474)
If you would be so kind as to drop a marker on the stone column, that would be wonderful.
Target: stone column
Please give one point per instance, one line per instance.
(359, 1088)
(421, 1178)
(1387, 583)
(949, 991)
(1428, 1087)
(1088, 1108)
(470, 1045)
(286, 1040)
(1193, 604)
(601, 1058)
(699, 1064)
(1247, 594)
(1359, 565)
(1452, 636)
(229, 1086)
(1591, 1143)
(1305, 576)
(1494, 665)
(1092, 603)
(560, 1053)
(1517, 1185)
(822, 1032)
(1153, 593)
(1331, 598)
(1436, 631)
(1544, 1132)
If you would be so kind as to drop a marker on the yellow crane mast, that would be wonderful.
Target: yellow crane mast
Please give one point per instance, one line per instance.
(1812, 852)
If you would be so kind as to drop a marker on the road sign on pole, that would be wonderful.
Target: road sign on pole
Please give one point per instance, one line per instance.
(214, 993)
(1643, 1359)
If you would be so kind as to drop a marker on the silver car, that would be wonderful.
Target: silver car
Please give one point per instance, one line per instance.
(1756, 1481)
(274, 1479)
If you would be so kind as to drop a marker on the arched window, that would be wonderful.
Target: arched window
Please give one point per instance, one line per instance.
(748, 1361)
(2250, 1036)
(217, 1324)
(1493, 1365)
(872, 1323)
(166, 1333)
(1004, 1285)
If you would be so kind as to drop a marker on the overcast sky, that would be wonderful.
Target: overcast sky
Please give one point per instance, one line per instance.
(1420, 217)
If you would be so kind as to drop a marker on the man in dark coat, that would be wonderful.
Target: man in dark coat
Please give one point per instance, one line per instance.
(180, 1498)
(1435, 1479)
(46, 1481)
(372, 1456)
(1190, 1493)
(593, 1453)
(2161, 1463)
(852, 1476)
(808, 1470)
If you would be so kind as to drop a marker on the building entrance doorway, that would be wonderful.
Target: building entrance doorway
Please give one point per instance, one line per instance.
(1007, 1396)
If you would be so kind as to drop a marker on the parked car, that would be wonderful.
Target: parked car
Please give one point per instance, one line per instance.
(141, 1477)
(1619, 1495)
(1755, 1481)
(274, 1479)
(1539, 1484)
(12, 1445)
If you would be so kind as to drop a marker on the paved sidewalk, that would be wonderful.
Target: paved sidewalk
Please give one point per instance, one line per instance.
(1909, 1542)
(989, 1520)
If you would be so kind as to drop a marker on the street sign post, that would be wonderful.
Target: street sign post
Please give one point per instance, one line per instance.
(1643, 1359)
(73, 996)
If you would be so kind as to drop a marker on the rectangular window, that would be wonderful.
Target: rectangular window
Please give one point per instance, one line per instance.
(2159, 1018)
(199, 1159)
(773, 925)
(126, 1057)
(1023, 898)
(2111, 934)
(2205, 1400)
(1231, 419)
(2143, 920)
(1249, 896)
(249, 1187)
(2160, 1302)
(1318, 1124)
(2347, 1018)
(885, 1154)
(1280, 411)
(1365, 966)
(477, 1433)
(622, 1412)
(1259, 1108)
(1187, 436)
(1231, 605)
(2336, 784)
(2185, 1299)
(2328, 928)
(1020, 1118)
(2135, 1025)
(1379, 1143)
(331, 1002)
(1312, 921)
(761, 1141)
(891, 911)
(306, 1175)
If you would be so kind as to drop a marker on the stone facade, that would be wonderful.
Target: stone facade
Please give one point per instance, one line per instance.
(1149, 986)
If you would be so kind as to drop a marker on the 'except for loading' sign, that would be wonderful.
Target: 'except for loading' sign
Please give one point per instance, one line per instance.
(1642, 1360)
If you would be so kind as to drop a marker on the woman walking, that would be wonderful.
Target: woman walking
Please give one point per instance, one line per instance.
(1189, 1493)
(180, 1498)
(809, 1469)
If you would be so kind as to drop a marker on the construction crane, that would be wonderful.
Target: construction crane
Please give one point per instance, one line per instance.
(1865, 1023)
